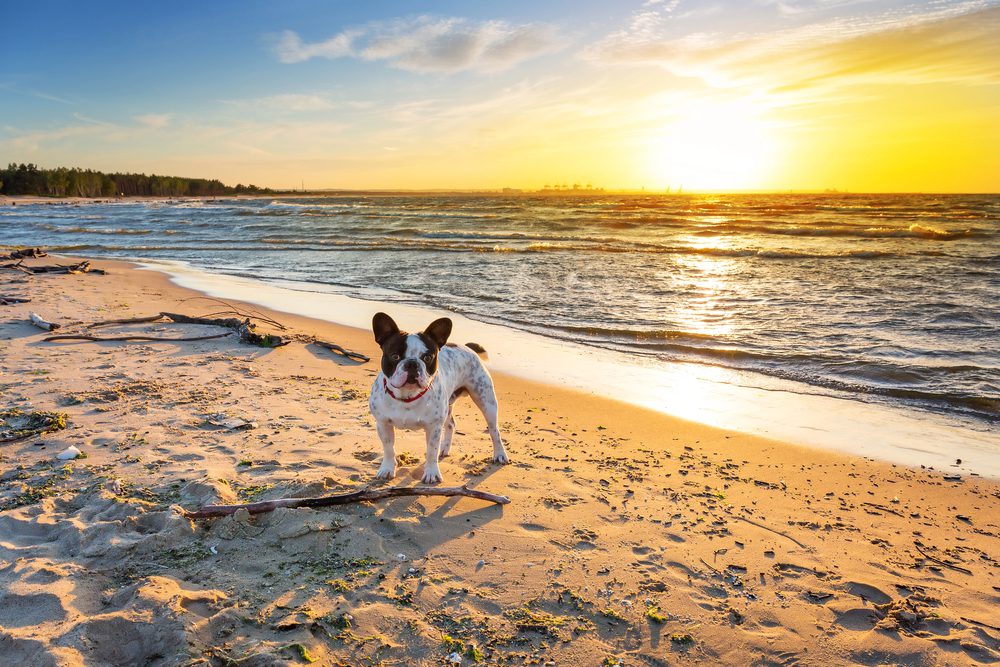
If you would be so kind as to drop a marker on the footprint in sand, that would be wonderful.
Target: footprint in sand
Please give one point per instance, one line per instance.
(867, 592)
(18, 611)
(858, 620)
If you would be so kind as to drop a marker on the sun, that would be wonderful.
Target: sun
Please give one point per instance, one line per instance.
(716, 147)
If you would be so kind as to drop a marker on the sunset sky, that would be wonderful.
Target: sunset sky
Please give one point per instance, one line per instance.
(860, 95)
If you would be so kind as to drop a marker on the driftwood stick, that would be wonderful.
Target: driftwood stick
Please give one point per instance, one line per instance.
(248, 313)
(26, 252)
(41, 323)
(152, 339)
(362, 496)
(17, 266)
(766, 527)
(333, 347)
(243, 327)
(883, 508)
(980, 623)
(128, 320)
(11, 300)
(943, 563)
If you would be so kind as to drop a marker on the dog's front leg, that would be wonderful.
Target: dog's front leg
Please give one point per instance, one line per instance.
(432, 474)
(387, 434)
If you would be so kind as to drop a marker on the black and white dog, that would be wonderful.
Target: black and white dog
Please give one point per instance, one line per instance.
(421, 377)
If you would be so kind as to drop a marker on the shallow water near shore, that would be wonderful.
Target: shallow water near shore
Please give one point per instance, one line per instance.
(888, 299)
(737, 400)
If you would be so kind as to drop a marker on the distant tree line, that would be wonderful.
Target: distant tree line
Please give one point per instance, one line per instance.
(28, 179)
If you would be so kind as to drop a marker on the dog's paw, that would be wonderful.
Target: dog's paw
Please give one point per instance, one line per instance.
(431, 477)
(386, 473)
(501, 458)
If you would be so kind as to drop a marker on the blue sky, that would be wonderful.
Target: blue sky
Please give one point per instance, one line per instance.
(460, 94)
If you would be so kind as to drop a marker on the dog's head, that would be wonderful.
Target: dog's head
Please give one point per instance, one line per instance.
(410, 359)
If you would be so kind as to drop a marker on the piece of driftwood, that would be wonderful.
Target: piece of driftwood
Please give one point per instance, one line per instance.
(11, 300)
(41, 323)
(766, 527)
(151, 339)
(241, 311)
(980, 623)
(26, 252)
(79, 267)
(243, 327)
(942, 563)
(361, 496)
(333, 347)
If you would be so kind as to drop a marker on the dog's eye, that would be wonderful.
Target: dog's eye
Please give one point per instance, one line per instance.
(395, 357)
(428, 357)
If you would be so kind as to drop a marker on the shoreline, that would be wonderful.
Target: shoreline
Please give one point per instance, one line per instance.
(631, 534)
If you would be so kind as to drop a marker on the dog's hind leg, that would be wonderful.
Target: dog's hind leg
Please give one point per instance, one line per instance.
(387, 434)
(484, 396)
(446, 436)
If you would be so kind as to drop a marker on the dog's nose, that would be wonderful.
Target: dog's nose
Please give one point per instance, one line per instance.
(412, 368)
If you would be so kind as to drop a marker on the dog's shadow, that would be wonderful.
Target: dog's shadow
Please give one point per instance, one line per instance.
(448, 521)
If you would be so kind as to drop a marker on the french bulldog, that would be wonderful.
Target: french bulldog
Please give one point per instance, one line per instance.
(422, 376)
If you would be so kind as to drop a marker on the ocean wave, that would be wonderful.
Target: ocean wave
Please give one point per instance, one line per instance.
(845, 231)
(126, 231)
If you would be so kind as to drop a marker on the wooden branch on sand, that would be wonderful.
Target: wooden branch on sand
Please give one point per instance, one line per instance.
(362, 496)
(151, 339)
(243, 327)
(943, 563)
(11, 300)
(80, 267)
(26, 252)
(37, 320)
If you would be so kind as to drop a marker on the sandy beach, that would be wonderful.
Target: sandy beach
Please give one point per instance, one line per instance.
(631, 538)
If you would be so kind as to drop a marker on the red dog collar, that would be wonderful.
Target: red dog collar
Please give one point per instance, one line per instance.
(385, 383)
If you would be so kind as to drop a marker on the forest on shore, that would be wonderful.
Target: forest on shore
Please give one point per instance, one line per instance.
(29, 179)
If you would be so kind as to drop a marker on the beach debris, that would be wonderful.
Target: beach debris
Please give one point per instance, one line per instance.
(41, 322)
(360, 496)
(16, 424)
(68, 454)
(231, 423)
(245, 329)
(939, 561)
(22, 253)
(78, 268)
(765, 527)
(818, 597)
(454, 658)
(402, 558)
(6, 300)
(952, 478)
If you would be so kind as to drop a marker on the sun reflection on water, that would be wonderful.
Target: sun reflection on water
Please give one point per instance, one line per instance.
(707, 278)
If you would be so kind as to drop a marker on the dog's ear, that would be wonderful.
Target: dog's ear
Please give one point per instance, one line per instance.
(438, 331)
(384, 327)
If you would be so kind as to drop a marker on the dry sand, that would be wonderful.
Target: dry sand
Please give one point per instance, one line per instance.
(632, 537)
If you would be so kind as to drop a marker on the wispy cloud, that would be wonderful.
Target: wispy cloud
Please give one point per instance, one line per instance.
(956, 41)
(155, 121)
(299, 102)
(429, 44)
